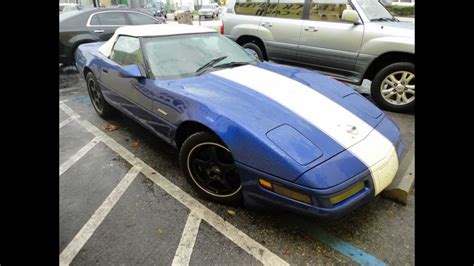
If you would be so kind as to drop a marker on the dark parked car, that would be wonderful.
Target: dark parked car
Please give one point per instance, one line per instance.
(158, 9)
(93, 25)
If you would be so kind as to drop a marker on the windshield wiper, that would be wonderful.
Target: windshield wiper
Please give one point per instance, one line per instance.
(210, 64)
(384, 19)
(232, 64)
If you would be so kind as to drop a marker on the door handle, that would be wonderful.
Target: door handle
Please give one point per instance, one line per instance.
(98, 31)
(311, 29)
(105, 70)
(267, 24)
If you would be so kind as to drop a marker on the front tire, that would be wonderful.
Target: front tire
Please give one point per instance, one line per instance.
(210, 169)
(393, 88)
(101, 106)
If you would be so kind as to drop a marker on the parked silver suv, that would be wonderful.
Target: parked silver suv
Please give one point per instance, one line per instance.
(351, 40)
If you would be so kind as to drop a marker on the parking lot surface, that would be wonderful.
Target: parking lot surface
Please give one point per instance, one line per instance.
(123, 200)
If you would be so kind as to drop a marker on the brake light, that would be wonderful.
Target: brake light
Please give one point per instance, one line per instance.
(222, 27)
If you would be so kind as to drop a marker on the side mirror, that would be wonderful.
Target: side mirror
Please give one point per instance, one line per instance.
(251, 52)
(131, 71)
(350, 16)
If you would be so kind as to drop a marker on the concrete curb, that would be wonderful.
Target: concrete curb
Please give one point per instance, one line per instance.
(402, 184)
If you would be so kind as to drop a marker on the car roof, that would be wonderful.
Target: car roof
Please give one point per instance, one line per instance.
(89, 11)
(152, 30)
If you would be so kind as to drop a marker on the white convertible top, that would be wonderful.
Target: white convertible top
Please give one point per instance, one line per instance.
(151, 30)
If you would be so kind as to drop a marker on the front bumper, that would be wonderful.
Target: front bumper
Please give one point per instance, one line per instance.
(374, 178)
(257, 196)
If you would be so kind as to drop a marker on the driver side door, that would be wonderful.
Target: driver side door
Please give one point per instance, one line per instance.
(132, 93)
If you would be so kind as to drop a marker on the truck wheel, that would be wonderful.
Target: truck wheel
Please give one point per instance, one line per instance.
(393, 87)
(255, 47)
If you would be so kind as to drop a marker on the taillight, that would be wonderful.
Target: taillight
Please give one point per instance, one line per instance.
(222, 28)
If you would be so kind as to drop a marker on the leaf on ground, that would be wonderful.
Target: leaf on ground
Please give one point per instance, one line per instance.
(231, 212)
(110, 127)
(136, 144)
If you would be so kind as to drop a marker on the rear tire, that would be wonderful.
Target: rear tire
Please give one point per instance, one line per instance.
(256, 48)
(393, 87)
(210, 169)
(101, 106)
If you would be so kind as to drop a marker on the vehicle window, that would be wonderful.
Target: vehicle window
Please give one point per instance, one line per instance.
(272, 9)
(285, 9)
(179, 56)
(139, 19)
(252, 7)
(324, 10)
(94, 20)
(112, 18)
(374, 9)
(127, 51)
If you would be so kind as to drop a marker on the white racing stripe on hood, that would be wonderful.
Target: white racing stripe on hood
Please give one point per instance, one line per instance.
(376, 151)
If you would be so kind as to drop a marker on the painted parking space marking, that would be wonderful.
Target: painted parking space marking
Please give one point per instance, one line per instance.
(78, 155)
(96, 219)
(186, 244)
(336, 243)
(241, 239)
(66, 121)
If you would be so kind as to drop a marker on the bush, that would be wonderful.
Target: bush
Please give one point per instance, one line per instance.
(402, 10)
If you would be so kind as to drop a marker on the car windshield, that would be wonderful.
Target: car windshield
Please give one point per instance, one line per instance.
(195, 51)
(155, 5)
(374, 10)
(207, 6)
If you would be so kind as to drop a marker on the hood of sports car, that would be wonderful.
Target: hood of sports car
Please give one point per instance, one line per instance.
(303, 118)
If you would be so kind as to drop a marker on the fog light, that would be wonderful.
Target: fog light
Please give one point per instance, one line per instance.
(285, 192)
(347, 193)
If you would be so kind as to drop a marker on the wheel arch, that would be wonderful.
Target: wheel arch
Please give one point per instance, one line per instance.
(250, 38)
(385, 60)
(187, 128)
(86, 71)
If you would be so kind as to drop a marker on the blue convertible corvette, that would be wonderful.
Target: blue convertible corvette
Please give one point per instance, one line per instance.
(246, 130)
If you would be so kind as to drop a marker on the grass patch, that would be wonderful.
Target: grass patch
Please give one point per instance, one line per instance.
(402, 11)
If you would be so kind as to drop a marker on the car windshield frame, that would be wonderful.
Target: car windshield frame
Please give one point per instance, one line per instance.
(153, 74)
(374, 10)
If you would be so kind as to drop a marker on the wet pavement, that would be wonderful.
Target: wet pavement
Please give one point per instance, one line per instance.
(111, 214)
